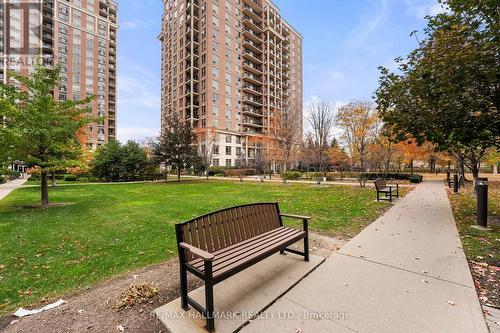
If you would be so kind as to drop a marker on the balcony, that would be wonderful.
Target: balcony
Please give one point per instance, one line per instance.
(254, 4)
(252, 46)
(248, 33)
(249, 11)
(249, 55)
(253, 68)
(193, 3)
(251, 89)
(252, 111)
(254, 79)
(252, 100)
(252, 123)
(249, 23)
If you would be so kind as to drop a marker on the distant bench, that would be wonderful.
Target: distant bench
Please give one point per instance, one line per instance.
(382, 188)
(218, 245)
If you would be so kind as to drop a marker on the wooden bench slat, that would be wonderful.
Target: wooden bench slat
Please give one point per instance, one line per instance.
(268, 248)
(247, 246)
(230, 249)
(246, 251)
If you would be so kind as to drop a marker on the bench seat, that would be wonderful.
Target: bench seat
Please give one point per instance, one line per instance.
(230, 260)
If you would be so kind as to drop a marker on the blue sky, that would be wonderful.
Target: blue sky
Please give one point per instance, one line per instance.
(344, 43)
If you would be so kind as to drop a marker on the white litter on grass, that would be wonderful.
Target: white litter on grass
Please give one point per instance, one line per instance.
(23, 312)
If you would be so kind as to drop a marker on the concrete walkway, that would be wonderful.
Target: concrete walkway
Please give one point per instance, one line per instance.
(406, 272)
(6, 188)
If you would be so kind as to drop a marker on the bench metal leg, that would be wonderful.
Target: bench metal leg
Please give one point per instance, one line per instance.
(282, 251)
(378, 196)
(306, 239)
(184, 287)
(209, 297)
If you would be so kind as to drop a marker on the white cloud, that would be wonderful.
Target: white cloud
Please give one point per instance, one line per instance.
(136, 133)
(137, 24)
(420, 9)
(367, 25)
(336, 75)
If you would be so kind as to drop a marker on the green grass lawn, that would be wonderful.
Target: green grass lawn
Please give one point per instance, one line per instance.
(478, 245)
(110, 229)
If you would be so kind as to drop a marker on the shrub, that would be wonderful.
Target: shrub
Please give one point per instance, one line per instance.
(238, 172)
(291, 175)
(71, 178)
(415, 179)
(216, 171)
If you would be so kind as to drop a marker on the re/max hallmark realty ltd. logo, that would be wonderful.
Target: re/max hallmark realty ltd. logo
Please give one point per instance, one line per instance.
(25, 38)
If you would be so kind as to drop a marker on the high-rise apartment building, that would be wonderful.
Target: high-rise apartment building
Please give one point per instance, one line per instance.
(80, 35)
(231, 65)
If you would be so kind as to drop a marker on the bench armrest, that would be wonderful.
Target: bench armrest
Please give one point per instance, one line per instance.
(197, 252)
(300, 217)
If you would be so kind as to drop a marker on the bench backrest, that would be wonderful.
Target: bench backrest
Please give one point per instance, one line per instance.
(229, 226)
(380, 184)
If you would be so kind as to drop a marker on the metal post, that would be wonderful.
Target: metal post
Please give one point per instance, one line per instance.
(455, 183)
(482, 202)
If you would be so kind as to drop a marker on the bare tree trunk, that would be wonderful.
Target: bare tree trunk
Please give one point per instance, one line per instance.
(44, 189)
(178, 174)
(54, 183)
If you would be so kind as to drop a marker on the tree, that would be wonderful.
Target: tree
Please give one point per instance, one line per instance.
(207, 139)
(289, 139)
(114, 161)
(359, 121)
(321, 118)
(448, 89)
(107, 161)
(135, 161)
(261, 164)
(338, 157)
(43, 129)
(174, 147)
(241, 164)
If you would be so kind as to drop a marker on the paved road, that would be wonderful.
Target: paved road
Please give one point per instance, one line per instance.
(6, 188)
(404, 273)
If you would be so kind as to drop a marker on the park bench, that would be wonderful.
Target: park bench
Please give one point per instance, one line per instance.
(218, 245)
(381, 186)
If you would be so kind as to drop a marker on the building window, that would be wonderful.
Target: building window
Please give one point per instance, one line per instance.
(215, 162)
(228, 138)
(228, 150)
(228, 162)
(216, 150)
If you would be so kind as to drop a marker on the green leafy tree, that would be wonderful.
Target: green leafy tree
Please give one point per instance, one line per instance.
(447, 91)
(135, 161)
(107, 162)
(174, 147)
(42, 130)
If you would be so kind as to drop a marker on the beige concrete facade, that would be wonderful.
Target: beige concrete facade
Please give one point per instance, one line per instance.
(80, 35)
(230, 65)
